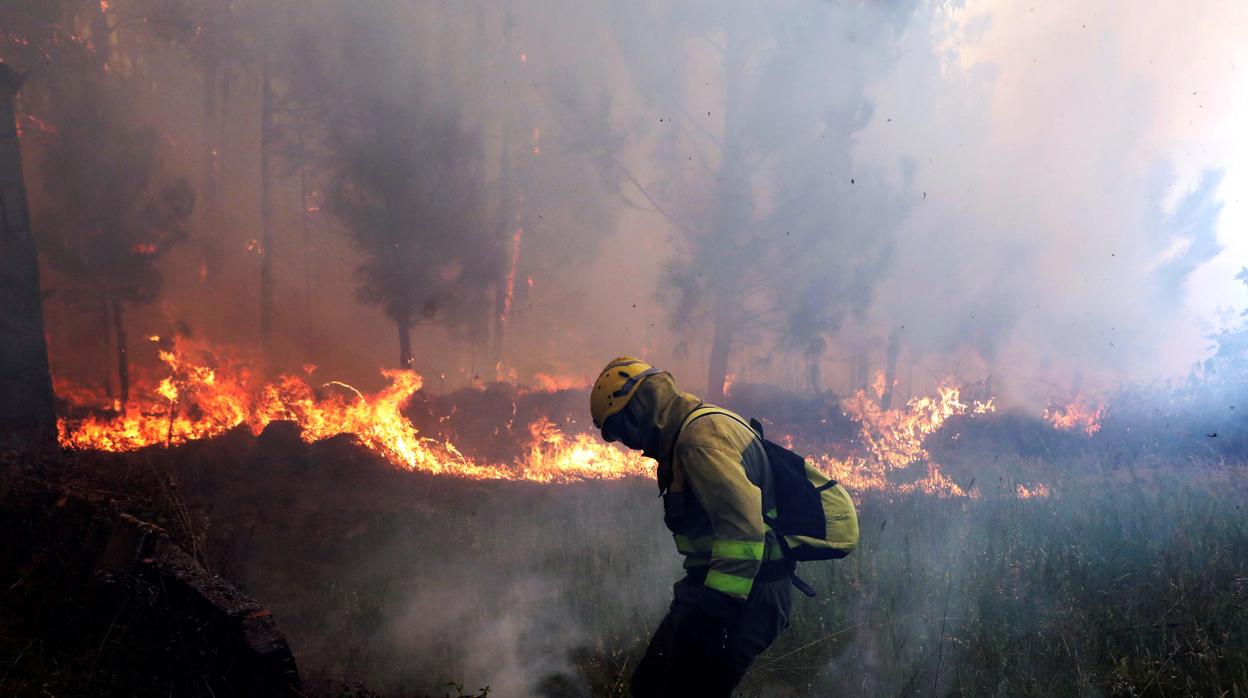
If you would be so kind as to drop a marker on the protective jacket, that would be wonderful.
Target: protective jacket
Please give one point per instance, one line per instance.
(716, 484)
(720, 487)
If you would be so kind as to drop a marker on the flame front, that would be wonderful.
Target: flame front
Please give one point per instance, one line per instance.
(893, 440)
(198, 402)
(1078, 415)
(206, 394)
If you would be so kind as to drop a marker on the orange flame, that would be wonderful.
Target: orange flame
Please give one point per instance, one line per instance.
(893, 440)
(206, 394)
(197, 401)
(1078, 415)
(550, 383)
(1039, 490)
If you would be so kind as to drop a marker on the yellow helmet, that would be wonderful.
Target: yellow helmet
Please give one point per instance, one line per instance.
(615, 386)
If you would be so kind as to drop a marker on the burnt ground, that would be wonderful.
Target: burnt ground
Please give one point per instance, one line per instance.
(106, 591)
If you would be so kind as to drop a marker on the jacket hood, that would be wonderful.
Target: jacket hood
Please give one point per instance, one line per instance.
(660, 408)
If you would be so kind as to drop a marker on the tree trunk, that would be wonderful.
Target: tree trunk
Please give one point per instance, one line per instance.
(860, 361)
(508, 214)
(266, 205)
(729, 223)
(213, 247)
(123, 359)
(814, 373)
(309, 256)
(27, 406)
(105, 330)
(890, 367)
(405, 343)
(721, 347)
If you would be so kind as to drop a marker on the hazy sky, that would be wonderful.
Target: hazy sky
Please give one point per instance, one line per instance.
(1062, 184)
(1078, 161)
(1076, 175)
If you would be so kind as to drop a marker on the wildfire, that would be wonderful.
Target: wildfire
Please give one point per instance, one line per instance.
(197, 401)
(895, 438)
(206, 394)
(1024, 492)
(548, 382)
(1078, 415)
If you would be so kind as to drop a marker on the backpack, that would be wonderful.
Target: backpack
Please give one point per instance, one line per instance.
(814, 517)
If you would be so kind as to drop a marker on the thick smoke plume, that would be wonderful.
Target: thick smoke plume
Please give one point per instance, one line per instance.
(806, 195)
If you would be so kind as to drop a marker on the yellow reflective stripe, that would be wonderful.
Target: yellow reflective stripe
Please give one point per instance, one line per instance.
(687, 545)
(738, 549)
(729, 584)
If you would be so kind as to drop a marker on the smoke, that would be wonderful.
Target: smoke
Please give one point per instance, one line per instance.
(508, 588)
(1047, 195)
(1074, 178)
(524, 637)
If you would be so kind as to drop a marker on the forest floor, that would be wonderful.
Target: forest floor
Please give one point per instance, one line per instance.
(1125, 580)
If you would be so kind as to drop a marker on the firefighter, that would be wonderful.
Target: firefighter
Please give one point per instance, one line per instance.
(734, 599)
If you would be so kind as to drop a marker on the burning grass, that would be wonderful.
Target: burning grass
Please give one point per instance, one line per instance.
(207, 393)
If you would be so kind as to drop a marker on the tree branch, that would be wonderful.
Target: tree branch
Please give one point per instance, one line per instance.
(657, 206)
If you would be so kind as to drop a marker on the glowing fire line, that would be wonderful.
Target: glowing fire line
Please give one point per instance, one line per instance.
(1078, 415)
(196, 401)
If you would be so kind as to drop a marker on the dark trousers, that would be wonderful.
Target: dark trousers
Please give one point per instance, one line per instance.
(690, 670)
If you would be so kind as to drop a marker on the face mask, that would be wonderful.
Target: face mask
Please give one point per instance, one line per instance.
(634, 425)
(623, 426)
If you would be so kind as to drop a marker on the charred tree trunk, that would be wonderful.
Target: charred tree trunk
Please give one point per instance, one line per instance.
(507, 209)
(213, 247)
(266, 205)
(814, 365)
(27, 408)
(860, 361)
(721, 348)
(123, 358)
(105, 331)
(309, 256)
(729, 224)
(405, 342)
(890, 367)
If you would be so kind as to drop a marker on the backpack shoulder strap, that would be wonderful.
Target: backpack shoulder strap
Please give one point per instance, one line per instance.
(702, 410)
(706, 410)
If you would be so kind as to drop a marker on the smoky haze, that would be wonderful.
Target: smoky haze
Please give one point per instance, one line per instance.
(803, 194)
